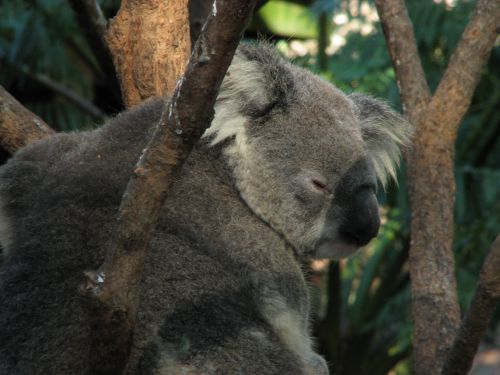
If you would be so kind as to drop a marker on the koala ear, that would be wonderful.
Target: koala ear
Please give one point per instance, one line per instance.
(385, 132)
(256, 81)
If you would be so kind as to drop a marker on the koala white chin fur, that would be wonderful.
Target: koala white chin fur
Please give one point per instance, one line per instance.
(287, 170)
(335, 250)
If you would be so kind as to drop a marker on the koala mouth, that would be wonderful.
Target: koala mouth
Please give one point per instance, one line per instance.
(334, 249)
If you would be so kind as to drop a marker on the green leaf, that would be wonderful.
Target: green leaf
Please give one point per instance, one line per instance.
(289, 19)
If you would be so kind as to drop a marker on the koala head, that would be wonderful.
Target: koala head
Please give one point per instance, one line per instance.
(306, 157)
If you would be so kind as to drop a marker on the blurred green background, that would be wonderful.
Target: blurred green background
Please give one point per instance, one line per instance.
(361, 305)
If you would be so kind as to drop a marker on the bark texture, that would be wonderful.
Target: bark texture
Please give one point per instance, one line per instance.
(435, 308)
(18, 125)
(113, 288)
(150, 49)
(410, 76)
(454, 93)
(475, 323)
(198, 12)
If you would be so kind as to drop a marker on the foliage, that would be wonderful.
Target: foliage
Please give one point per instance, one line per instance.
(288, 19)
(363, 308)
(40, 39)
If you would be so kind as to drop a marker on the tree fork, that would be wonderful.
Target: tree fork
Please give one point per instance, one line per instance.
(113, 290)
(430, 169)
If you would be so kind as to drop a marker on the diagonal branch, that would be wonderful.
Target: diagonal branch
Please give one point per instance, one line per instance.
(18, 125)
(65, 92)
(113, 288)
(454, 93)
(475, 323)
(402, 47)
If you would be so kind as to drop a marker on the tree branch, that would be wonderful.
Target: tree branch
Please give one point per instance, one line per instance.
(433, 281)
(113, 288)
(454, 93)
(398, 31)
(71, 96)
(18, 125)
(475, 323)
(430, 171)
(432, 194)
(198, 12)
(145, 67)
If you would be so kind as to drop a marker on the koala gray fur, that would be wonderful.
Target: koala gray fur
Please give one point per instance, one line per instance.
(287, 170)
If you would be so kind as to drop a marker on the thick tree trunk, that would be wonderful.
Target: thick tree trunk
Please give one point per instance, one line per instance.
(150, 43)
(435, 307)
(430, 170)
(113, 289)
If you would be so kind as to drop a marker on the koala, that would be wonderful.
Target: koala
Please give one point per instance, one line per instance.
(287, 171)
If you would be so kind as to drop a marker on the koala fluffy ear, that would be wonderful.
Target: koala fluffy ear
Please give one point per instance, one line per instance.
(385, 132)
(255, 82)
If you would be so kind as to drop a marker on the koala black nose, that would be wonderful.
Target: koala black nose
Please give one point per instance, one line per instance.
(362, 221)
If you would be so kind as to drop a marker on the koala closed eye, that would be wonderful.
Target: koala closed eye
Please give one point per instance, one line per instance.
(287, 169)
(320, 185)
(311, 189)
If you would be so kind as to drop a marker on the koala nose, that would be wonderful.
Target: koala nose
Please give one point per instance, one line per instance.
(362, 221)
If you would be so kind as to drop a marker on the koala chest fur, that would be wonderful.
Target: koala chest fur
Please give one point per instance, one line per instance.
(240, 284)
(287, 170)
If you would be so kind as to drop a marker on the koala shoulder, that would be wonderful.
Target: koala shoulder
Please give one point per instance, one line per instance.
(70, 164)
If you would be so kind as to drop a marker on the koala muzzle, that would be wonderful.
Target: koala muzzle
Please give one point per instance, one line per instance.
(363, 221)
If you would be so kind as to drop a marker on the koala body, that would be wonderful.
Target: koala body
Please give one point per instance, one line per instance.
(286, 171)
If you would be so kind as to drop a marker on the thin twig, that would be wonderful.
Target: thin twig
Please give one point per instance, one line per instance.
(79, 101)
